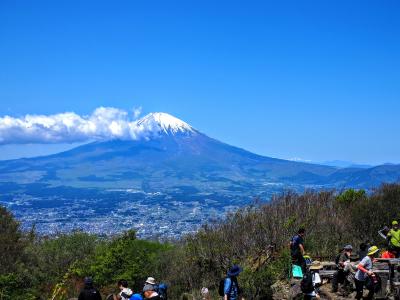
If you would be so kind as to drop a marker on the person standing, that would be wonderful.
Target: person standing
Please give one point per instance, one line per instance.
(297, 250)
(394, 237)
(89, 292)
(125, 292)
(340, 275)
(231, 287)
(363, 271)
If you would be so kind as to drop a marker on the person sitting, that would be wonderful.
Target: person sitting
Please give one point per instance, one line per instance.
(125, 292)
(342, 262)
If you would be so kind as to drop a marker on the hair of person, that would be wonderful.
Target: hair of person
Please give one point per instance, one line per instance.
(301, 231)
(123, 283)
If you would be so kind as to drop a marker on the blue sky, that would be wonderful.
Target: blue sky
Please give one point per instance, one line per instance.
(317, 80)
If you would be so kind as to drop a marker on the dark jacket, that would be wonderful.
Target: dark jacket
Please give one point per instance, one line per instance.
(89, 293)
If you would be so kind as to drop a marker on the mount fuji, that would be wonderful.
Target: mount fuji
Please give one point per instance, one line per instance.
(167, 180)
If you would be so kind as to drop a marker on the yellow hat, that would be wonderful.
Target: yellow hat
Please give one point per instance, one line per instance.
(316, 265)
(395, 223)
(372, 250)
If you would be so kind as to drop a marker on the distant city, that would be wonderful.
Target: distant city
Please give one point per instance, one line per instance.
(164, 179)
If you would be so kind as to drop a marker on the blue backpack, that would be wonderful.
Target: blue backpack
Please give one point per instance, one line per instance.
(162, 291)
(136, 297)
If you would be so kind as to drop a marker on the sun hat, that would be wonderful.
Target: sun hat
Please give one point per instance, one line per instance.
(235, 271)
(204, 291)
(348, 247)
(372, 250)
(316, 265)
(150, 280)
(395, 222)
(148, 287)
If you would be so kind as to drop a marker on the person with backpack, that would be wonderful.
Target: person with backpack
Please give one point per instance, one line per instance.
(150, 293)
(297, 250)
(229, 287)
(341, 262)
(312, 281)
(394, 236)
(89, 292)
(160, 288)
(364, 271)
(125, 292)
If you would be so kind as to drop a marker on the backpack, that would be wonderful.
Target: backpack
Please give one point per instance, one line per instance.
(221, 286)
(136, 297)
(306, 283)
(373, 283)
(162, 291)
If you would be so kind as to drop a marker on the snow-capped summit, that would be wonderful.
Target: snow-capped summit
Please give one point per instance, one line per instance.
(159, 122)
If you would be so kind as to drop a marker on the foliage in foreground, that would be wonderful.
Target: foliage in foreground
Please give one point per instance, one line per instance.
(255, 237)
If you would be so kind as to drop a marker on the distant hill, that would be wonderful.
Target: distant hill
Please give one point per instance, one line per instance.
(173, 158)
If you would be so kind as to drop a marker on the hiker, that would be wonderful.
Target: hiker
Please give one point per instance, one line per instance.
(150, 293)
(125, 292)
(231, 287)
(389, 253)
(205, 294)
(297, 250)
(160, 289)
(364, 271)
(394, 236)
(312, 281)
(342, 263)
(89, 292)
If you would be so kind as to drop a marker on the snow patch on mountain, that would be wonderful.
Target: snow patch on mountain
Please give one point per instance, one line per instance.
(164, 123)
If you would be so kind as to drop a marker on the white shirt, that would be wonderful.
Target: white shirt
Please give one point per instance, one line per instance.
(125, 294)
(316, 279)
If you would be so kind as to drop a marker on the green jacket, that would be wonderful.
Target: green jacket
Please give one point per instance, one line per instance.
(394, 237)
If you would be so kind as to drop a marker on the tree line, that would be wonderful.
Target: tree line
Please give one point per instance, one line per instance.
(255, 237)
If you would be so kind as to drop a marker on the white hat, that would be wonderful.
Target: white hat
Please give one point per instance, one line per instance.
(204, 291)
(150, 280)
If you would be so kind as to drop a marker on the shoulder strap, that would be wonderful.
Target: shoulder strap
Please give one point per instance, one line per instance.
(125, 295)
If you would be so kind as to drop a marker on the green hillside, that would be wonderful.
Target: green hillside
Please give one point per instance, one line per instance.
(255, 237)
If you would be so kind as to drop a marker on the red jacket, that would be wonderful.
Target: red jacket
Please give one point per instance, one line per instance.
(388, 254)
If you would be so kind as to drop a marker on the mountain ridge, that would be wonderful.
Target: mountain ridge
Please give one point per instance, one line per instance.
(168, 180)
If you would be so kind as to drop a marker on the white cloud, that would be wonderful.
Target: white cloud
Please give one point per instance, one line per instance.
(69, 127)
(137, 111)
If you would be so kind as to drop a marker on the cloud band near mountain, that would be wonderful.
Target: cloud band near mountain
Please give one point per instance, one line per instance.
(69, 127)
